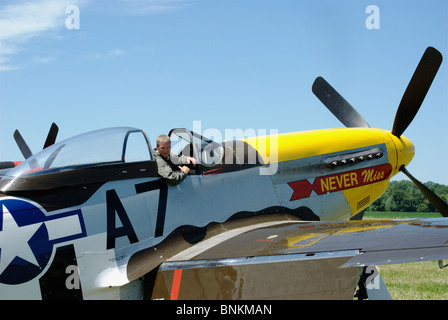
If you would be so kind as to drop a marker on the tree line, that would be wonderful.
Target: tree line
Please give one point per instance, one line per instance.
(404, 196)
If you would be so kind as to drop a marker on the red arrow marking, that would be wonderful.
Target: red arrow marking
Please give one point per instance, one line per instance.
(340, 181)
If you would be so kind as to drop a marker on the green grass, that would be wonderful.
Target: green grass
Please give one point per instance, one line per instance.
(416, 281)
(413, 281)
(400, 215)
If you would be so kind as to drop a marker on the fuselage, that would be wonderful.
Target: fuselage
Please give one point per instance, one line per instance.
(350, 166)
(104, 214)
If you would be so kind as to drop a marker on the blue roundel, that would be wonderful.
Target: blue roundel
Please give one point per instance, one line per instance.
(25, 248)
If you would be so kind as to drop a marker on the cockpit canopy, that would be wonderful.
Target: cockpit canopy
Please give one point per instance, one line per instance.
(128, 146)
(95, 148)
(209, 153)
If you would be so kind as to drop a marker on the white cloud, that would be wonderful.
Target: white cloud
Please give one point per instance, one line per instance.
(5, 51)
(117, 52)
(43, 60)
(143, 7)
(23, 20)
(108, 54)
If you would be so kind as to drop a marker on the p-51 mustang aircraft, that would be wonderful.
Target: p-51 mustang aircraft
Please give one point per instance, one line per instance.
(258, 218)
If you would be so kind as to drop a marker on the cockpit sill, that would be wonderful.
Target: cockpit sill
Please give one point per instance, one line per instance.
(63, 166)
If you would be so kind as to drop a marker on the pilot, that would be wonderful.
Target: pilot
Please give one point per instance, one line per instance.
(171, 166)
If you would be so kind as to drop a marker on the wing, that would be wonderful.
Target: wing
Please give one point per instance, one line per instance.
(286, 258)
(375, 242)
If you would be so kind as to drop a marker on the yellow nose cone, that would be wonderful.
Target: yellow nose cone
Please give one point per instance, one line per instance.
(405, 151)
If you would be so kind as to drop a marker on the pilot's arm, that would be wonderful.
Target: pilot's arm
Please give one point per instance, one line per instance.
(165, 170)
(172, 177)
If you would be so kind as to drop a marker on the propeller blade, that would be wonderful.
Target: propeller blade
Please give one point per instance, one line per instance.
(416, 91)
(337, 104)
(52, 134)
(8, 164)
(26, 151)
(23, 146)
(438, 203)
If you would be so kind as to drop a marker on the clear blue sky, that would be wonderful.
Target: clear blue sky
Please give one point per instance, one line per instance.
(248, 64)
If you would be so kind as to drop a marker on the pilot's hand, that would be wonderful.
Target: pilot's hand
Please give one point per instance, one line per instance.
(185, 169)
(192, 160)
